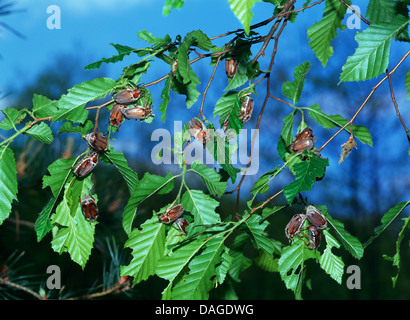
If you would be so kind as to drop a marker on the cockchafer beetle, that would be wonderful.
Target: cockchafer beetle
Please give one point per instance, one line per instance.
(181, 225)
(89, 208)
(128, 96)
(304, 141)
(86, 165)
(315, 217)
(231, 66)
(198, 130)
(294, 226)
(314, 236)
(116, 116)
(171, 214)
(96, 141)
(137, 113)
(246, 109)
(174, 66)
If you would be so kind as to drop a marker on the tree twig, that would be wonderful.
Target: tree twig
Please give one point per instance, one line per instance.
(397, 107)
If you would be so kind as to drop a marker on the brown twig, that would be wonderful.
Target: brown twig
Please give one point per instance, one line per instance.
(272, 61)
(355, 12)
(266, 202)
(350, 122)
(117, 286)
(207, 87)
(20, 287)
(397, 107)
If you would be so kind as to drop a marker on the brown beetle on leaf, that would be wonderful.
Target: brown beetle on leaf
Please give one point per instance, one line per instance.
(128, 96)
(315, 217)
(86, 165)
(246, 109)
(304, 141)
(294, 226)
(198, 130)
(116, 116)
(172, 214)
(231, 66)
(96, 141)
(314, 236)
(89, 208)
(181, 225)
(137, 113)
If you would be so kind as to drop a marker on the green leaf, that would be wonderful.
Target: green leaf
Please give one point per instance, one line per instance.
(172, 4)
(239, 261)
(387, 219)
(351, 243)
(224, 105)
(122, 52)
(170, 266)
(120, 162)
(194, 38)
(71, 232)
(382, 11)
(157, 42)
(323, 32)
(149, 185)
(257, 226)
(41, 132)
(165, 97)
(293, 90)
(287, 129)
(211, 179)
(71, 106)
(201, 206)
(306, 173)
(11, 118)
(332, 264)
(81, 129)
(59, 173)
(291, 263)
(334, 121)
(221, 152)
(396, 257)
(147, 247)
(43, 224)
(371, 58)
(8, 182)
(43, 106)
(267, 262)
(407, 84)
(243, 11)
(188, 89)
(202, 274)
(261, 186)
(223, 268)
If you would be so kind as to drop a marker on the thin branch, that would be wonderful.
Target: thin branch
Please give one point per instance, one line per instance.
(207, 87)
(266, 202)
(272, 61)
(355, 12)
(397, 107)
(20, 287)
(117, 286)
(350, 122)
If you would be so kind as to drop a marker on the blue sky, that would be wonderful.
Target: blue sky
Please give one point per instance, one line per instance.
(88, 26)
